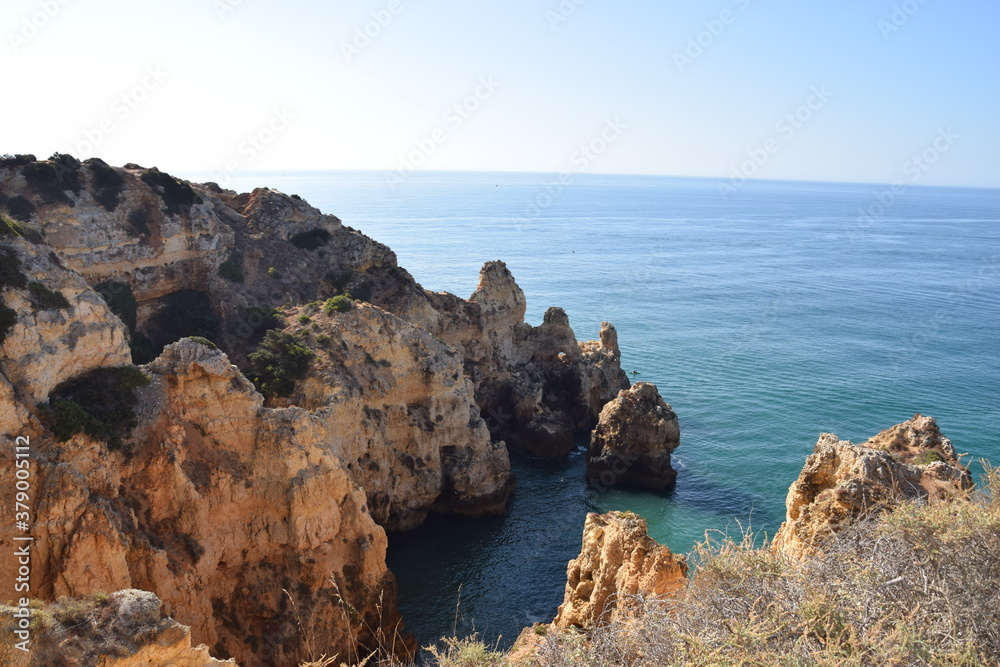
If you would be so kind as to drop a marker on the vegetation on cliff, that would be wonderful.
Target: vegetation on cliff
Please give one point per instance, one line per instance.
(280, 359)
(100, 404)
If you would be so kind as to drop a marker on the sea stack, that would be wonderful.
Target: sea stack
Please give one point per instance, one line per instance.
(633, 440)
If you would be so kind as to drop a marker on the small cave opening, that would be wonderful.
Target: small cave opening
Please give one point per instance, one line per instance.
(169, 318)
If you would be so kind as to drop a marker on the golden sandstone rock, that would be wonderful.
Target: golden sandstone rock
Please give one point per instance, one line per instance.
(618, 564)
(842, 482)
(245, 515)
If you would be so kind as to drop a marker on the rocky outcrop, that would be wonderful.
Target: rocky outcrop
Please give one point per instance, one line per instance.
(242, 518)
(63, 328)
(199, 260)
(843, 482)
(618, 564)
(398, 409)
(246, 515)
(633, 440)
(125, 629)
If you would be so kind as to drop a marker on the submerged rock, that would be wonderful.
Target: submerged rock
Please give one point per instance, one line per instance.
(842, 482)
(633, 440)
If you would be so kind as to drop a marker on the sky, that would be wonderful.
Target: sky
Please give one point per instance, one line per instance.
(855, 90)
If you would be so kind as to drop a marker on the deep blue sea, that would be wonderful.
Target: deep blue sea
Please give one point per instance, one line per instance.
(765, 319)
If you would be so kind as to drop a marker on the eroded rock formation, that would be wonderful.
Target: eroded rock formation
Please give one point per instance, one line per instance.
(842, 482)
(420, 443)
(633, 440)
(618, 563)
(249, 516)
(128, 628)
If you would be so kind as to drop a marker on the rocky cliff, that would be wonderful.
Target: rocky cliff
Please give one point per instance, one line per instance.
(618, 564)
(257, 518)
(842, 482)
(633, 440)
(125, 629)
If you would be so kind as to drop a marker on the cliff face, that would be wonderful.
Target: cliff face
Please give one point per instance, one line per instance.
(420, 443)
(617, 563)
(229, 511)
(633, 440)
(842, 482)
(243, 514)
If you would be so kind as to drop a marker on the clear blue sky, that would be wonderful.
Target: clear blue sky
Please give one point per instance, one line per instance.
(227, 66)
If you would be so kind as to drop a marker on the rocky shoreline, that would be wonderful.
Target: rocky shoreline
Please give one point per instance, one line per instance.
(231, 398)
(234, 396)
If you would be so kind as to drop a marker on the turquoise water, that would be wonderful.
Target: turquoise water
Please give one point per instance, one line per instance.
(764, 319)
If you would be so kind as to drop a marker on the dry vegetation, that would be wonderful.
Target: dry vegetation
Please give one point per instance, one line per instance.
(917, 586)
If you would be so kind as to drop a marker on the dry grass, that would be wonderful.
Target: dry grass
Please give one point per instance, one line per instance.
(917, 586)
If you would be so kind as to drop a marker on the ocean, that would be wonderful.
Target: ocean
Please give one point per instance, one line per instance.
(766, 317)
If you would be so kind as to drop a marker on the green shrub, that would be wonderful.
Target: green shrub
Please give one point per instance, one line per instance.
(100, 404)
(51, 180)
(10, 228)
(201, 340)
(8, 318)
(10, 270)
(45, 299)
(177, 196)
(929, 456)
(304, 319)
(8, 160)
(232, 269)
(20, 208)
(338, 304)
(311, 240)
(279, 360)
(273, 272)
(108, 184)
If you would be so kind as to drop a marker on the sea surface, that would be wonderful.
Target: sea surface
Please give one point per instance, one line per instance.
(765, 318)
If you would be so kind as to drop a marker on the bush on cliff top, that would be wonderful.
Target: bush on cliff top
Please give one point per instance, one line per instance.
(51, 180)
(177, 196)
(108, 183)
(279, 360)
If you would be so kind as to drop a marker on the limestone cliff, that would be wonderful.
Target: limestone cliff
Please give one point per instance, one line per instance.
(410, 393)
(618, 563)
(842, 482)
(247, 515)
(633, 440)
(125, 629)
(236, 515)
